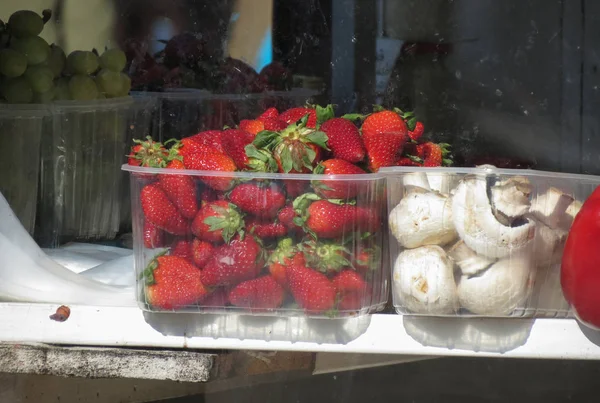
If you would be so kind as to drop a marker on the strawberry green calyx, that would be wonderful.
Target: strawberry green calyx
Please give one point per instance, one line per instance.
(326, 257)
(150, 153)
(285, 249)
(324, 113)
(260, 160)
(229, 220)
(300, 205)
(446, 154)
(148, 274)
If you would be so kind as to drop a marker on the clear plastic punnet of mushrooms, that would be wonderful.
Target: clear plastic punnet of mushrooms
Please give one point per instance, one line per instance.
(472, 244)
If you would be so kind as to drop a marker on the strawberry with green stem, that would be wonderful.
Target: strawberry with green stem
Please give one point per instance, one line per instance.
(161, 212)
(352, 290)
(232, 263)
(332, 189)
(266, 229)
(180, 189)
(149, 153)
(263, 200)
(344, 140)
(206, 158)
(281, 257)
(259, 293)
(217, 222)
(312, 290)
(234, 142)
(326, 257)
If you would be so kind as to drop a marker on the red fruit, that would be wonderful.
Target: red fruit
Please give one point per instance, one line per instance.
(352, 301)
(217, 221)
(263, 201)
(366, 260)
(431, 153)
(312, 290)
(201, 252)
(252, 126)
(274, 124)
(154, 237)
(325, 257)
(293, 115)
(235, 142)
(180, 189)
(205, 158)
(231, 264)
(182, 248)
(161, 212)
(173, 282)
(266, 230)
(216, 299)
(271, 113)
(148, 153)
(286, 216)
(384, 134)
(282, 257)
(295, 188)
(344, 189)
(344, 139)
(383, 122)
(408, 162)
(417, 132)
(211, 138)
(260, 293)
(349, 281)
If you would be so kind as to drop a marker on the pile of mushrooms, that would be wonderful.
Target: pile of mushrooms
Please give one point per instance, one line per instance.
(474, 242)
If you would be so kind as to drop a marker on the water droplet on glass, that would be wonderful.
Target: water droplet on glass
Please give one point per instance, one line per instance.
(498, 92)
(458, 74)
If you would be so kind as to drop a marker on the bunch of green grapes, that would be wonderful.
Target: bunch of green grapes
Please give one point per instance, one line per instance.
(32, 71)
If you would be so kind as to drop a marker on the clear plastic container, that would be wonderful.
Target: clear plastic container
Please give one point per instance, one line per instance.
(480, 241)
(21, 130)
(339, 263)
(83, 191)
(185, 112)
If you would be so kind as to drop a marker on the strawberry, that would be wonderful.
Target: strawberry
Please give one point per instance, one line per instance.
(173, 282)
(230, 264)
(201, 252)
(312, 290)
(270, 113)
(417, 132)
(211, 138)
(344, 139)
(351, 301)
(148, 153)
(366, 260)
(274, 124)
(349, 281)
(325, 257)
(180, 189)
(384, 134)
(383, 121)
(295, 188)
(154, 237)
(182, 248)
(433, 155)
(235, 142)
(266, 230)
(217, 221)
(293, 115)
(282, 257)
(252, 126)
(260, 293)
(206, 158)
(259, 160)
(409, 162)
(161, 212)
(286, 216)
(261, 200)
(343, 189)
(216, 299)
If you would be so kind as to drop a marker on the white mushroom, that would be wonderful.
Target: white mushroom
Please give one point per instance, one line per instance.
(469, 262)
(422, 218)
(479, 228)
(498, 290)
(424, 281)
(442, 182)
(548, 245)
(510, 198)
(415, 180)
(551, 209)
(567, 219)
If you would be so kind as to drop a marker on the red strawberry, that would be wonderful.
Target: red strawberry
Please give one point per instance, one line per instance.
(262, 200)
(266, 230)
(325, 257)
(216, 299)
(417, 132)
(201, 252)
(274, 124)
(293, 115)
(282, 257)
(271, 113)
(173, 282)
(343, 189)
(383, 122)
(366, 260)
(148, 153)
(409, 162)
(154, 237)
(217, 221)
(295, 188)
(349, 281)
(260, 293)
(159, 210)
(312, 290)
(211, 138)
(252, 126)
(180, 189)
(384, 134)
(205, 158)
(182, 248)
(344, 139)
(433, 155)
(286, 216)
(235, 142)
(239, 261)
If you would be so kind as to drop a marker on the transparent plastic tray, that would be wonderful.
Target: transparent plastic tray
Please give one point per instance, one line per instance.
(480, 241)
(83, 191)
(21, 130)
(360, 242)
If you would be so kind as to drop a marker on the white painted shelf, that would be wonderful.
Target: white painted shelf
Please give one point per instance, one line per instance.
(381, 334)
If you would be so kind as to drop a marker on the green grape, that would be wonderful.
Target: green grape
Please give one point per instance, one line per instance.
(17, 91)
(61, 89)
(40, 78)
(12, 63)
(83, 88)
(114, 60)
(34, 48)
(109, 82)
(56, 61)
(44, 97)
(25, 23)
(125, 85)
(82, 62)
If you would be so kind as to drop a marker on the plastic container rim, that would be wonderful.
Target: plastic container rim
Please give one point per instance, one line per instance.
(192, 93)
(96, 104)
(21, 110)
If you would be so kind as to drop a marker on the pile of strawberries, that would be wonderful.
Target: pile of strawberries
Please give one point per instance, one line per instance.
(258, 243)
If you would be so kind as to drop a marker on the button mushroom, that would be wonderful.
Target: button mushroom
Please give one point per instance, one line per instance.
(510, 199)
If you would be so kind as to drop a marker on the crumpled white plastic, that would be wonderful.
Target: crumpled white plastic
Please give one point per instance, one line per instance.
(27, 274)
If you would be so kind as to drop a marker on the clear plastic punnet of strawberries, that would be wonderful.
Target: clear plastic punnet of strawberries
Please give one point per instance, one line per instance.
(283, 214)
